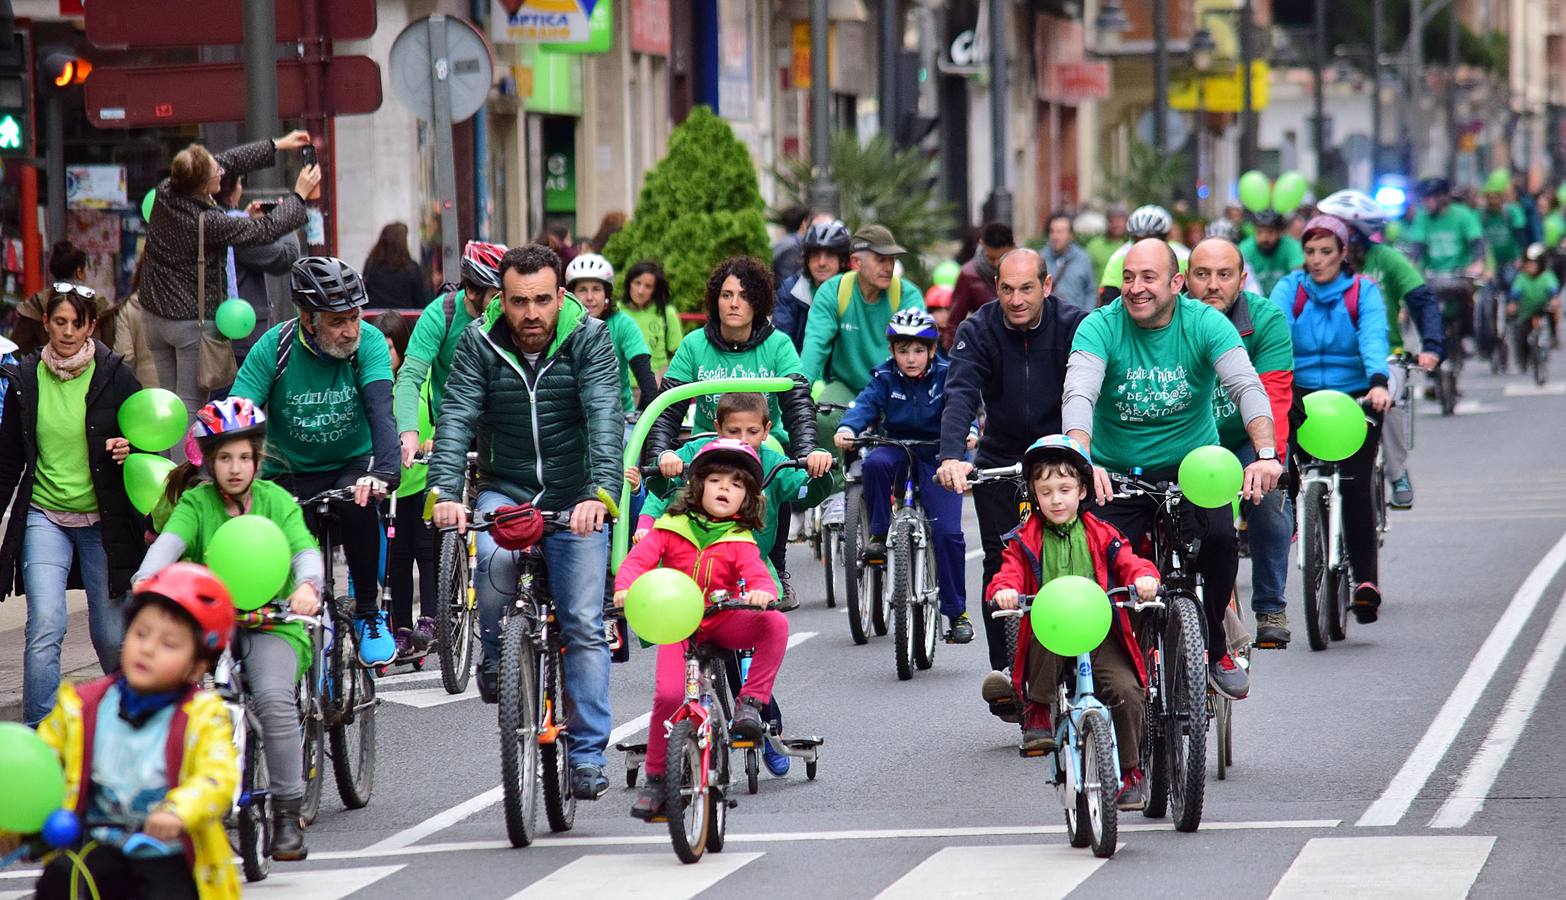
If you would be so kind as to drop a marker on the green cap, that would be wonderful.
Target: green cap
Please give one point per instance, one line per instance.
(1497, 181)
(876, 239)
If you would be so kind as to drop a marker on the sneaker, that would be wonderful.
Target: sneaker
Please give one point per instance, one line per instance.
(796, 528)
(875, 551)
(649, 803)
(789, 601)
(1038, 732)
(405, 643)
(832, 510)
(1228, 679)
(424, 633)
(962, 631)
(747, 724)
(1367, 603)
(489, 682)
(1133, 792)
(1402, 492)
(1272, 630)
(777, 763)
(377, 642)
(1001, 698)
(588, 782)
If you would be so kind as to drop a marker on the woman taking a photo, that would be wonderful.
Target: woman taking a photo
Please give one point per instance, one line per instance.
(60, 453)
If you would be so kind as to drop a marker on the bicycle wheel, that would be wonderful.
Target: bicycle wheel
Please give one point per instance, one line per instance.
(1342, 598)
(352, 735)
(860, 582)
(314, 760)
(1185, 730)
(1100, 786)
(255, 808)
(519, 774)
(1318, 582)
(828, 544)
(454, 614)
(1151, 753)
(902, 598)
(1378, 487)
(927, 612)
(1541, 359)
(686, 802)
(721, 778)
(559, 801)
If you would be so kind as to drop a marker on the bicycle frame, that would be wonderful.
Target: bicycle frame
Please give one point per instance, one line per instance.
(533, 604)
(1070, 768)
(700, 691)
(1322, 473)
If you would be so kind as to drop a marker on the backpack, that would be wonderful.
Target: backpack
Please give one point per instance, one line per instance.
(1350, 300)
(845, 292)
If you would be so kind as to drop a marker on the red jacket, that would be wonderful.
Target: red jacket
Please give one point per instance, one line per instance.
(672, 545)
(971, 291)
(1115, 564)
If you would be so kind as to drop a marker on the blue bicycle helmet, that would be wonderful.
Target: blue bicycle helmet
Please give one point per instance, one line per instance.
(1058, 448)
(911, 325)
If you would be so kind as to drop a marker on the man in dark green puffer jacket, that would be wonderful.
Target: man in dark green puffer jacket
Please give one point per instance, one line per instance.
(535, 381)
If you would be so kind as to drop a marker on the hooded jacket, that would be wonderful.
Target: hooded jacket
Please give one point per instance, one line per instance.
(792, 309)
(549, 434)
(1331, 350)
(725, 562)
(907, 408)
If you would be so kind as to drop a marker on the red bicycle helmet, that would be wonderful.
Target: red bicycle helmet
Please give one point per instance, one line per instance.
(481, 264)
(194, 589)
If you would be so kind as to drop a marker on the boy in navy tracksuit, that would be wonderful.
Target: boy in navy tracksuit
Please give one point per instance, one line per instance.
(906, 394)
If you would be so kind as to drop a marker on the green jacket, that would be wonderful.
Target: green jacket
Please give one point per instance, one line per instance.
(845, 348)
(551, 434)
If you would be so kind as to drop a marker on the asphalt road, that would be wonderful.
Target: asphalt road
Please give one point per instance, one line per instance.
(1419, 758)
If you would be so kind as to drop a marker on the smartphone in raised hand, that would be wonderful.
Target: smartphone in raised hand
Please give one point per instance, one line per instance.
(310, 159)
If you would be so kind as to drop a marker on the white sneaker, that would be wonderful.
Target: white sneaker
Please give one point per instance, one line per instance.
(796, 528)
(832, 510)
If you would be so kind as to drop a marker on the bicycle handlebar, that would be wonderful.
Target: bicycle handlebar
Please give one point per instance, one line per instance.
(1025, 603)
(1012, 472)
(257, 617)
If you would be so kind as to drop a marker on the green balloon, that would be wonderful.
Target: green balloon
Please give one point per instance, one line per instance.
(664, 606)
(1288, 192)
(250, 555)
(1211, 476)
(1070, 615)
(153, 419)
(1334, 428)
(147, 201)
(32, 782)
(235, 319)
(145, 476)
(1498, 181)
(1560, 193)
(945, 273)
(1255, 190)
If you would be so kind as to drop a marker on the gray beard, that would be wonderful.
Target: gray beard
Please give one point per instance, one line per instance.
(340, 351)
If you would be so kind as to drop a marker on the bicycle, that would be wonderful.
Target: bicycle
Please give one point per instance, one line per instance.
(1323, 556)
(1174, 643)
(826, 536)
(1456, 292)
(864, 583)
(1013, 475)
(1086, 770)
(1534, 345)
(348, 688)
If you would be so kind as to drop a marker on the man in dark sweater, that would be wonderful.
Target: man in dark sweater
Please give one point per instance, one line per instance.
(1012, 356)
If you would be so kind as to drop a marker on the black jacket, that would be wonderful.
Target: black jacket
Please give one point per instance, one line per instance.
(112, 383)
(395, 288)
(1020, 376)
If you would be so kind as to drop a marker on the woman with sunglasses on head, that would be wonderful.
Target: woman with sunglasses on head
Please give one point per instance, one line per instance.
(60, 455)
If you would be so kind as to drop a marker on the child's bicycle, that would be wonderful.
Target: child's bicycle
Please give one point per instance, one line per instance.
(1534, 342)
(1086, 770)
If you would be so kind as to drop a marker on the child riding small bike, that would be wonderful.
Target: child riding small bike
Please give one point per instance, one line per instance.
(1058, 539)
(1535, 297)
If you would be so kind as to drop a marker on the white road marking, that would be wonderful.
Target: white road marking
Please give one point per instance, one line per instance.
(794, 640)
(639, 876)
(1468, 797)
(329, 884)
(1551, 389)
(410, 677)
(1463, 408)
(1403, 867)
(1460, 704)
(424, 698)
(1039, 873)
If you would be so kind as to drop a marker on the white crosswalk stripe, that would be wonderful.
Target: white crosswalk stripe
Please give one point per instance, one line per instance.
(1028, 870)
(640, 876)
(1429, 868)
(327, 885)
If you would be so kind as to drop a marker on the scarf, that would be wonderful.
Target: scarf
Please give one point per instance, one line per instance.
(67, 367)
(706, 531)
(136, 708)
(1064, 551)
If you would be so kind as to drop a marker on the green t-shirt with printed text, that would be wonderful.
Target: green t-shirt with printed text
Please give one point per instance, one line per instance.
(1448, 237)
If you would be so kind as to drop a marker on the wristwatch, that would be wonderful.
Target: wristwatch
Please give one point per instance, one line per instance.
(1267, 453)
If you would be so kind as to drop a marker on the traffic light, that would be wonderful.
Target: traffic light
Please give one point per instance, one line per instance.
(16, 138)
(62, 68)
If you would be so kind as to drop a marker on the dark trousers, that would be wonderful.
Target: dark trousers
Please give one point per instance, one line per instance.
(885, 469)
(414, 544)
(1217, 561)
(358, 528)
(778, 556)
(1114, 682)
(119, 877)
(1356, 475)
(996, 506)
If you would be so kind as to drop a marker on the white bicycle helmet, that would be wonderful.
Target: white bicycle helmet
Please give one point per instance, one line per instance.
(1357, 209)
(589, 265)
(1149, 221)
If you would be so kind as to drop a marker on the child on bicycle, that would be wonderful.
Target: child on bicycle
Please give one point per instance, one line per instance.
(149, 754)
(1534, 293)
(708, 532)
(1061, 538)
(907, 394)
(230, 435)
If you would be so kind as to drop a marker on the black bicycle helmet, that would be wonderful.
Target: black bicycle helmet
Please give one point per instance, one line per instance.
(1269, 218)
(831, 236)
(1434, 187)
(327, 284)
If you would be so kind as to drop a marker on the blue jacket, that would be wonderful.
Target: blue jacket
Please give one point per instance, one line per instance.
(793, 308)
(1330, 351)
(907, 409)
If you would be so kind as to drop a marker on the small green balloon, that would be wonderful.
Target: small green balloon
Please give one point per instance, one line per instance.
(1211, 476)
(32, 782)
(945, 273)
(250, 555)
(235, 319)
(147, 201)
(664, 606)
(1498, 181)
(1288, 192)
(153, 419)
(1255, 191)
(145, 476)
(1334, 428)
(1070, 615)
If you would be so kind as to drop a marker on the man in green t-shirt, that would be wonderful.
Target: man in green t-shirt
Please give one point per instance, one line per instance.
(325, 381)
(1269, 253)
(1216, 277)
(1446, 236)
(435, 335)
(1505, 229)
(1138, 394)
(845, 340)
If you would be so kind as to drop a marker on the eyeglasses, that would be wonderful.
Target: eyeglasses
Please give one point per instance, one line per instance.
(80, 290)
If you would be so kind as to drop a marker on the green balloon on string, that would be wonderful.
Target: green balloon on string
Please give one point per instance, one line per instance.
(153, 419)
(147, 201)
(32, 781)
(235, 319)
(945, 273)
(1334, 428)
(664, 606)
(1288, 192)
(145, 477)
(250, 555)
(1211, 476)
(1070, 615)
(1255, 191)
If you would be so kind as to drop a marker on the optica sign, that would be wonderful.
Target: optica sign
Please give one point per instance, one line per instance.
(541, 21)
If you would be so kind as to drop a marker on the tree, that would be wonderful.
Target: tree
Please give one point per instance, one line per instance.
(880, 184)
(701, 204)
(1146, 177)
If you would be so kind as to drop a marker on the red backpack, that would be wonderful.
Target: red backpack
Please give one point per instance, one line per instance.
(1350, 300)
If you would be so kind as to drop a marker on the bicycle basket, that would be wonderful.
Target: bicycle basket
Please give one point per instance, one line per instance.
(517, 527)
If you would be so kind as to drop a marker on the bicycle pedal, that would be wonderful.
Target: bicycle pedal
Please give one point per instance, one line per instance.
(742, 745)
(1032, 754)
(732, 804)
(1271, 645)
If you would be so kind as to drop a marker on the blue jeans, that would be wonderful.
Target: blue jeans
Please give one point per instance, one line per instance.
(577, 567)
(884, 469)
(47, 551)
(1269, 526)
